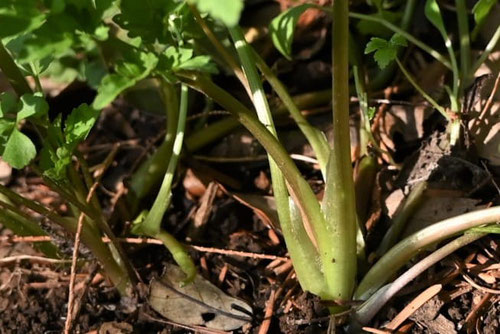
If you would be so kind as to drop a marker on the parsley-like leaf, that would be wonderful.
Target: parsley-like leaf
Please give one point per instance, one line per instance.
(385, 51)
(32, 105)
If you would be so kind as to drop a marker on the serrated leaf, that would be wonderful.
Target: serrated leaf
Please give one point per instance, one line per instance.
(79, 123)
(110, 87)
(481, 9)
(19, 150)
(398, 40)
(18, 16)
(129, 72)
(146, 19)
(227, 11)
(32, 105)
(433, 14)
(199, 63)
(53, 38)
(385, 51)
(282, 29)
(374, 44)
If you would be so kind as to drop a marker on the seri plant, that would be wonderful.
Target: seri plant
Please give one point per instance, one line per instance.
(176, 43)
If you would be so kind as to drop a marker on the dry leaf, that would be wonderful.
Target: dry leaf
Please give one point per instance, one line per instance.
(198, 303)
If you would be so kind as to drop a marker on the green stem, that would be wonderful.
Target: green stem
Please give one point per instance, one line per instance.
(421, 91)
(438, 56)
(150, 172)
(299, 245)
(228, 57)
(218, 129)
(463, 31)
(339, 203)
(152, 224)
(12, 72)
(371, 307)
(299, 189)
(489, 48)
(402, 252)
(410, 205)
(315, 137)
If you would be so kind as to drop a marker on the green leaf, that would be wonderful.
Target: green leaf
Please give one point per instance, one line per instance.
(433, 14)
(79, 123)
(32, 105)
(53, 38)
(18, 16)
(199, 63)
(19, 150)
(228, 11)
(136, 67)
(146, 19)
(282, 29)
(385, 51)
(481, 9)
(8, 103)
(110, 87)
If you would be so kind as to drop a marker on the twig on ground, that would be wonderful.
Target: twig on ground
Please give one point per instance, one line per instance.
(31, 258)
(266, 323)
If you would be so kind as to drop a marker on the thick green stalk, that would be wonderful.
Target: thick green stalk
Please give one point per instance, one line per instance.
(299, 189)
(218, 129)
(150, 172)
(299, 245)
(12, 72)
(463, 32)
(152, 224)
(438, 56)
(339, 204)
(402, 252)
(315, 137)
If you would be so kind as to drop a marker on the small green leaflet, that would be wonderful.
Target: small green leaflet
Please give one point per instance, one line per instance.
(481, 9)
(59, 146)
(129, 71)
(282, 29)
(17, 149)
(79, 123)
(18, 16)
(227, 11)
(32, 105)
(385, 51)
(175, 59)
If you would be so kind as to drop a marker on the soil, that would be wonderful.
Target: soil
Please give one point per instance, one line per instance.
(34, 293)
